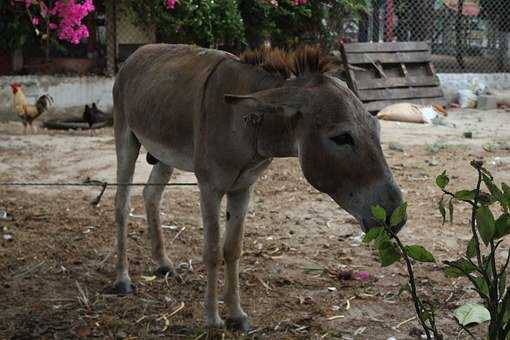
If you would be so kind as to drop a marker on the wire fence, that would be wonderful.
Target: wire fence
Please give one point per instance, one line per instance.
(465, 35)
(91, 183)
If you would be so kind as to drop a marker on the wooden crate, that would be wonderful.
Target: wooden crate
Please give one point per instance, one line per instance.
(382, 74)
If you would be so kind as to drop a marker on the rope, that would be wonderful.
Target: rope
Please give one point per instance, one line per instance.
(89, 183)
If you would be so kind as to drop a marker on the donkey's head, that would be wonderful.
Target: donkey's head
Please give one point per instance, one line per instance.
(336, 140)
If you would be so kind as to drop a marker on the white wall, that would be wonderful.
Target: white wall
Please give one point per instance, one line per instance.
(68, 92)
(72, 93)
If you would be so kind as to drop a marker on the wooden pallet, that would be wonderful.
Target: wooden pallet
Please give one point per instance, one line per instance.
(382, 74)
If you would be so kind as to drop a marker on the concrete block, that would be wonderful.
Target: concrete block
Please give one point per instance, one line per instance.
(487, 102)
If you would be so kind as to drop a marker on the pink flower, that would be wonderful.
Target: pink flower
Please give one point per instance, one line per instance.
(170, 4)
(53, 26)
(35, 21)
(71, 14)
(362, 276)
(299, 2)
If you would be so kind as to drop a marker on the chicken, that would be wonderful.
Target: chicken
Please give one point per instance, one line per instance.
(92, 115)
(27, 112)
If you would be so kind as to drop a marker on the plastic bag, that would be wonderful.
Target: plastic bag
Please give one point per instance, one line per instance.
(467, 99)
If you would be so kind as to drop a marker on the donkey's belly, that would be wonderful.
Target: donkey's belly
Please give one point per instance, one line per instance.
(180, 158)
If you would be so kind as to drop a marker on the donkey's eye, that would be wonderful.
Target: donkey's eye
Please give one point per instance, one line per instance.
(343, 139)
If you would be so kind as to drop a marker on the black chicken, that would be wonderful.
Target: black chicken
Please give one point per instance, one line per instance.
(92, 115)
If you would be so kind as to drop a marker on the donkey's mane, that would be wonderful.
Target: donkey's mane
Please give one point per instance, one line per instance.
(303, 61)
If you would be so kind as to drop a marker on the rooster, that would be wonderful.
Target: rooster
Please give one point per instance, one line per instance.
(27, 112)
(92, 115)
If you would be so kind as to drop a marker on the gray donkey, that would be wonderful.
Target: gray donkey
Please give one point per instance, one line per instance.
(225, 118)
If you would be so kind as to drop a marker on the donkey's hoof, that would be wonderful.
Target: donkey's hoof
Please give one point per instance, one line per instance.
(217, 324)
(163, 271)
(121, 288)
(241, 324)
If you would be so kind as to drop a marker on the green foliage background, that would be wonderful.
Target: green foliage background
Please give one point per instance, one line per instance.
(237, 24)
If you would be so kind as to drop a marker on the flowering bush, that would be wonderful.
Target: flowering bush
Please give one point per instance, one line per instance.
(65, 16)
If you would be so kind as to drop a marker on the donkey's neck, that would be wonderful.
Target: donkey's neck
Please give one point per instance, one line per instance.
(274, 134)
(276, 137)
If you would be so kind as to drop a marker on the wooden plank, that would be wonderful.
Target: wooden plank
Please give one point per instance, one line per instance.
(382, 83)
(387, 47)
(400, 93)
(386, 57)
(377, 106)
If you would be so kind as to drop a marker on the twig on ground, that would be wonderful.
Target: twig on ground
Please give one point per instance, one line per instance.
(177, 235)
(404, 322)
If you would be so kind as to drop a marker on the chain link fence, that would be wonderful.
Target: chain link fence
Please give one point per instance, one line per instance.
(466, 35)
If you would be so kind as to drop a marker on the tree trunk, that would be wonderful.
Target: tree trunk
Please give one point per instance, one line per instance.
(17, 60)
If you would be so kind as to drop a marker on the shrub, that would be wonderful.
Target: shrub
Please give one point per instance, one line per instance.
(479, 265)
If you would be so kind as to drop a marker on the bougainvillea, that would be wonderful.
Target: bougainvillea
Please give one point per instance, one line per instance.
(65, 17)
(170, 4)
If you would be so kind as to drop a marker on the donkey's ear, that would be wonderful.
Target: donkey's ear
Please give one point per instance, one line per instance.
(251, 101)
(237, 98)
(280, 99)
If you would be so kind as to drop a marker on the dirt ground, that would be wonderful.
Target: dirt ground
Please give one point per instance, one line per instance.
(56, 254)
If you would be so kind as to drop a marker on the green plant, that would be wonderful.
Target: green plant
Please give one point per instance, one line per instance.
(391, 249)
(480, 265)
(208, 23)
(15, 26)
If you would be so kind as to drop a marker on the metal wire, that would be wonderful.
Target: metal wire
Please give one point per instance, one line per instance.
(90, 184)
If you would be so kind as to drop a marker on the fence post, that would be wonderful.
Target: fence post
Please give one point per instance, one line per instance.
(111, 37)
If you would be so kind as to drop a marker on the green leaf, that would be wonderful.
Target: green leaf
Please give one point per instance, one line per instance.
(399, 215)
(450, 209)
(506, 192)
(471, 248)
(471, 313)
(381, 238)
(442, 209)
(388, 253)
(372, 234)
(379, 213)
(419, 253)
(481, 285)
(459, 268)
(502, 283)
(442, 180)
(506, 317)
(465, 195)
(502, 226)
(494, 190)
(313, 269)
(486, 224)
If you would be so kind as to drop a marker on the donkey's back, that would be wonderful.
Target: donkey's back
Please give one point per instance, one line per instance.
(158, 94)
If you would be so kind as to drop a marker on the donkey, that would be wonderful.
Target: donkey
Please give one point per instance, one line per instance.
(225, 118)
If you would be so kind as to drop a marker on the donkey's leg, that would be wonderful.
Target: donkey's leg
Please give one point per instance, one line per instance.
(210, 201)
(127, 152)
(237, 206)
(161, 173)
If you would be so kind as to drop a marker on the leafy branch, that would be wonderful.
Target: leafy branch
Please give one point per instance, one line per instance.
(487, 232)
(391, 249)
